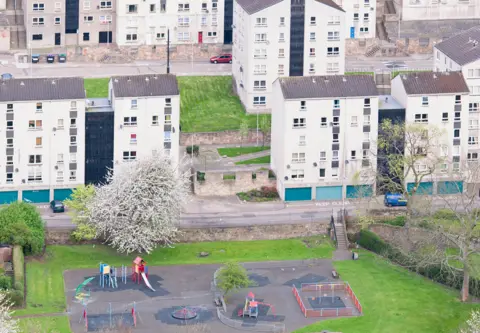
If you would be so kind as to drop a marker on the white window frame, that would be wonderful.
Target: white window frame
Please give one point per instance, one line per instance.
(354, 121)
(130, 156)
(299, 123)
(298, 174)
(130, 121)
(298, 157)
(323, 156)
(259, 100)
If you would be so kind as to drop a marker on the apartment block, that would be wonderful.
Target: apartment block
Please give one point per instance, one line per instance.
(275, 38)
(360, 17)
(146, 116)
(44, 125)
(190, 22)
(413, 10)
(324, 131)
(57, 23)
(440, 101)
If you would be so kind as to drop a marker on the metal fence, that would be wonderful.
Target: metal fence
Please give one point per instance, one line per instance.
(258, 327)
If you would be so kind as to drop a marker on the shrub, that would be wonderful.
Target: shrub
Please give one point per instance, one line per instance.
(84, 232)
(16, 296)
(271, 175)
(269, 191)
(5, 282)
(398, 221)
(445, 214)
(19, 272)
(200, 176)
(193, 149)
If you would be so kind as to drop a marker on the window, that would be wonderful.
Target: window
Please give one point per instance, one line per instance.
(58, 20)
(130, 121)
(133, 138)
(355, 16)
(10, 160)
(335, 155)
(473, 140)
(421, 167)
(456, 167)
(334, 172)
(260, 38)
(259, 85)
(9, 177)
(366, 137)
(333, 51)
(303, 105)
(260, 53)
(311, 69)
(333, 35)
(456, 133)
(129, 155)
(34, 174)
(35, 124)
(73, 122)
(312, 36)
(282, 20)
(458, 99)
(259, 100)
(38, 6)
(9, 107)
(332, 67)
(474, 72)
(323, 156)
(131, 37)
(183, 21)
(154, 120)
(443, 168)
(105, 19)
(60, 124)
(38, 107)
(336, 121)
(167, 136)
(9, 142)
(73, 175)
(366, 120)
(37, 37)
(88, 19)
(152, 8)
(364, 30)
(366, 102)
(9, 124)
(354, 121)
(333, 20)
(424, 101)
(472, 156)
(365, 17)
(301, 140)
(212, 34)
(313, 20)
(261, 21)
(299, 122)
(323, 122)
(457, 116)
(214, 20)
(38, 21)
(38, 141)
(297, 174)
(168, 102)
(281, 37)
(86, 5)
(281, 69)
(473, 107)
(353, 155)
(336, 104)
(86, 36)
(133, 8)
(214, 5)
(133, 104)
(73, 140)
(58, 5)
(421, 118)
(312, 52)
(167, 119)
(365, 154)
(260, 69)
(60, 176)
(34, 159)
(107, 4)
(298, 157)
(281, 53)
(445, 116)
(322, 173)
(59, 158)
(335, 138)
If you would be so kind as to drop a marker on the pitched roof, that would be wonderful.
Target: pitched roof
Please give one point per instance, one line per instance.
(462, 48)
(428, 83)
(254, 6)
(296, 87)
(332, 4)
(145, 85)
(41, 89)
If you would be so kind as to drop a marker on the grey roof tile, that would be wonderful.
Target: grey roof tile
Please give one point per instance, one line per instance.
(41, 89)
(254, 6)
(462, 48)
(432, 83)
(332, 4)
(145, 85)
(331, 86)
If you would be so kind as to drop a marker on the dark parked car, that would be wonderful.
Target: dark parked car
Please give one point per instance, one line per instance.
(221, 59)
(57, 206)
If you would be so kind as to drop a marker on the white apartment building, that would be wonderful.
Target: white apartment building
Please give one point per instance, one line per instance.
(146, 22)
(146, 116)
(324, 130)
(360, 17)
(413, 10)
(440, 100)
(273, 38)
(44, 125)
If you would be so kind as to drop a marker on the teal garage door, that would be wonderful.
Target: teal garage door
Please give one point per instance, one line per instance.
(38, 196)
(328, 193)
(62, 194)
(449, 187)
(8, 197)
(359, 191)
(298, 194)
(425, 188)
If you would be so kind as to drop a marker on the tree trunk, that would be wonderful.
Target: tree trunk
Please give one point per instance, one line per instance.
(466, 276)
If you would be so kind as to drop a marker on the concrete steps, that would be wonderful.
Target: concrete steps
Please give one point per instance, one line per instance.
(342, 243)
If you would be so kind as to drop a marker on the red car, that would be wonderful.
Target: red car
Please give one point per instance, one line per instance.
(222, 59)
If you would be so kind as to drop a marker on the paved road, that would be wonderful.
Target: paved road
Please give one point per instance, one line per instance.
(92, 70)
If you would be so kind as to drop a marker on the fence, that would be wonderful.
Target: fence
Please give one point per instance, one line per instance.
(354, 297)
(299, 300)
(258, 327)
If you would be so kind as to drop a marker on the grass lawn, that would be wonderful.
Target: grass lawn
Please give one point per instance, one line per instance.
(45, 279)
(258, 160)
(395, 300)
(45, 325)
(360, 73)
(96, 88)
(237, 151)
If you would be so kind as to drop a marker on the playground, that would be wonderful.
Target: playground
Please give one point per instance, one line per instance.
(169, 298)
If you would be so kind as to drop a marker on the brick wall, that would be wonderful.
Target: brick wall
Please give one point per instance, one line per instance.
(220, 138)
(215, 185)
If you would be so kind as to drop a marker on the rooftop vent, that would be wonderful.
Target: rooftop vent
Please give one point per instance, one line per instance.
(434, 76)
(313, 80)
(22, 84)
(116, 80)
(344, 79)
(386, 99)
(128, 79)
(155, 77)
(147, 79)
(53, 82)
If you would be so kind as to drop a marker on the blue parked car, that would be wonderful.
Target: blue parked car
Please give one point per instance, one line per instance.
(394, 200)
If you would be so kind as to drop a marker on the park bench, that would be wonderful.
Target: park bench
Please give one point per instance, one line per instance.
(335, 274)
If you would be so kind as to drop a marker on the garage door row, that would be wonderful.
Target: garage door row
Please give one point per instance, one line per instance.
(327, 193)
(36, 196)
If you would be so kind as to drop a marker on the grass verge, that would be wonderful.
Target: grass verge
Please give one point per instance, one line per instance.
(45, 277)
(395, 300)
(258, 160)
(45, 325)
(360, 73)
(238, 151)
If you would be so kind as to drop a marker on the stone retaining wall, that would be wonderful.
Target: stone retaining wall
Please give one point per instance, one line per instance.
(221, 138)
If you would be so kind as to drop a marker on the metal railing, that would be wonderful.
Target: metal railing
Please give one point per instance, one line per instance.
(258, 327)
(334, 235)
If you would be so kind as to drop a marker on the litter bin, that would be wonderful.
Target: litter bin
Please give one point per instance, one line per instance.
(51, 58)
(62, 57)
(35, 58)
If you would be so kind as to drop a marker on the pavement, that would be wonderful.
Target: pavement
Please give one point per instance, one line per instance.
(182, 68)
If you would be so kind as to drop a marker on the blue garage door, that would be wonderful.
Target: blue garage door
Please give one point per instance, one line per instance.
(62, 194)
(424, 188)
(298, 194)
(328, 193)
(449, 187)
(8, 197)
(39, 196)
(359, 191)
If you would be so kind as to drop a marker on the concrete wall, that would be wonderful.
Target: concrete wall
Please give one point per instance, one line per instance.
(220, 138)
(215, 185)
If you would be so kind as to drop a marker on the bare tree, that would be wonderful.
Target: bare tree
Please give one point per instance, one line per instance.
(265, 127)
(243, 130)
(409, 154)
(7, 323)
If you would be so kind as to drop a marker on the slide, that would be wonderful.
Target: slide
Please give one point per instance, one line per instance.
(146, 282)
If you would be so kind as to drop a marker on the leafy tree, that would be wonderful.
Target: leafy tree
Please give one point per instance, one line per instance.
(232, 276)
(21, 224)
(473, 323)
(243, 131)
(7, 323)
(78, 202)
(265, 127)
(140, 205)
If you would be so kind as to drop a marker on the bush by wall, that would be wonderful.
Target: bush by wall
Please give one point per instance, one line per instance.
(18, 292)
(398, 221)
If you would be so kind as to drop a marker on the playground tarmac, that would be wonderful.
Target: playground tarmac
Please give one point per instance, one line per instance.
(191, 286)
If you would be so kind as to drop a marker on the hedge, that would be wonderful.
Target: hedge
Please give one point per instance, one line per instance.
(17, 294)
(453, 279)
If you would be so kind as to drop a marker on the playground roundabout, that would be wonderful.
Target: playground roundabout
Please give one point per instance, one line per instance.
(173, 298)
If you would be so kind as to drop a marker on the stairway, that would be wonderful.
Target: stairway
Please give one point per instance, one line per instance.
(372, 51)
(341, 237)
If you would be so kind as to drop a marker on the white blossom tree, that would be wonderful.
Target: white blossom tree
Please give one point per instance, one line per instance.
(140, 204)
(473, 324)
(7, 323)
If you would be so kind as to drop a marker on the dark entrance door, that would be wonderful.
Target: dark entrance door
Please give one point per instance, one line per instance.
(200, 37)
(105, 37)
(58, 38)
